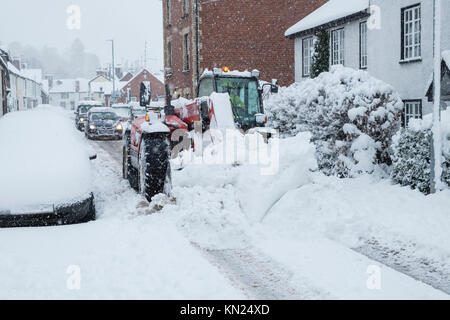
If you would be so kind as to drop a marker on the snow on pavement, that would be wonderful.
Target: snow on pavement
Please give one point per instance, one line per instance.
(120, 256)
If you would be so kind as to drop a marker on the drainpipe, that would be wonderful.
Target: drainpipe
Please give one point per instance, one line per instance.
(197, 40)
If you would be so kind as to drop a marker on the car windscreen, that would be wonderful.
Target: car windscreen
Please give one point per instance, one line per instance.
(84, 109)
(96, 116)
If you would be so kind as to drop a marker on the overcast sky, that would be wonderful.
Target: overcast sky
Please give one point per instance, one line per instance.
(129, 22)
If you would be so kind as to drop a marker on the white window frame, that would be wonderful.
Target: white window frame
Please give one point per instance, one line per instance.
(363, 56)
(185, 8)
(412, 33)
(412, 110)
(337, 47)
(169, 12)
(307, 54)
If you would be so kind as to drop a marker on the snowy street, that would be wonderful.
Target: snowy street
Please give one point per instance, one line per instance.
(202, 151)
(207, 250)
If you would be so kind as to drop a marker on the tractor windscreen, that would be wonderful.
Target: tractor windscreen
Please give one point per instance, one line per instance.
(244, 97)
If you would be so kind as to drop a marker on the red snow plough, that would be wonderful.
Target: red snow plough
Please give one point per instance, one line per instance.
(148, 139)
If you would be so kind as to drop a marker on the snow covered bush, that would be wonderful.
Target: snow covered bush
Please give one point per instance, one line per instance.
(351, 115)
(411, 155)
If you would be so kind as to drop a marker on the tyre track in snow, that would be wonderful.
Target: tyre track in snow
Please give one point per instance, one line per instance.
(252, 272)
(259, 277)
(404, 259)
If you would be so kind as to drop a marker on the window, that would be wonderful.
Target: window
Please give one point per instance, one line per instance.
(168, 13)
(169, 54)
(412, 110)
(206, 87)
(185, 8)
(411, 33)
(308, 49)
(186, 64)
(363, 45)
(337, 47)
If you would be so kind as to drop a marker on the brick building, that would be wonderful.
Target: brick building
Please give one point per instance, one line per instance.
(131, 90)
(241, 34)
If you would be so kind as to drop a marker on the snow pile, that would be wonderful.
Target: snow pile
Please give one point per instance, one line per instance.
(349, 113)
(330, 11)
(217, 203)
(411, 153)
(43, 159)
(223, 111)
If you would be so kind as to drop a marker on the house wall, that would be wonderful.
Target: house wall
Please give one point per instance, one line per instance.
(243, 35)
(157, 87)
(384, 49)
(70, 102)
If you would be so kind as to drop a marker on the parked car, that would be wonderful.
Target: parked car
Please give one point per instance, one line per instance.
(45, 175)
(103, 123)
(82, 111)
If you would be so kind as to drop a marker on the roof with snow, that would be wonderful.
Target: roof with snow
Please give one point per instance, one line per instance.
(33, 74)
(331, 11)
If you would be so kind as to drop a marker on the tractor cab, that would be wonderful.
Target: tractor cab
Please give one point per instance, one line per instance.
(245, 93)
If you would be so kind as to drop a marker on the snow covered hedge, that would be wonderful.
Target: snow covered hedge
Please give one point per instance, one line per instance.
(351, 115)
(411, 154)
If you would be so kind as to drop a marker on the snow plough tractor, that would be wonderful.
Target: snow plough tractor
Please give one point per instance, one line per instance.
(149, 140)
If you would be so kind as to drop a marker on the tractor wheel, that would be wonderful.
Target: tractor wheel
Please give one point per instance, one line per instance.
(129, 173)
(154, 166)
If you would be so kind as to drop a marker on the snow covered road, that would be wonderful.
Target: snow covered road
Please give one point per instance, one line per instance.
(199, 245)
(122, 255)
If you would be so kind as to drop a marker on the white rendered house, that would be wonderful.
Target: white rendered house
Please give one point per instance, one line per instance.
(390, 39)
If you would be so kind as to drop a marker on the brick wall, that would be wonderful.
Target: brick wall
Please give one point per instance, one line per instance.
(241, 34)
(135, 86)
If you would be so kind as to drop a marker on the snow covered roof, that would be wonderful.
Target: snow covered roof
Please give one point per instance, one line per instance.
(12, 68)
(33, 74)
(69, 85)
(331, 11)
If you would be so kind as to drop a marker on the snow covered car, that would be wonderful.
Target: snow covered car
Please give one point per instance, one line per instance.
(45, 170)
(103, 123)
(82, 111)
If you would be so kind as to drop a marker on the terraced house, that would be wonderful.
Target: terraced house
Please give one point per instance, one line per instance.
(392, 40)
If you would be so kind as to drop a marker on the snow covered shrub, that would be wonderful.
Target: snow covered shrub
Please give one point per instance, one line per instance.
(411, 156)
(351, 115)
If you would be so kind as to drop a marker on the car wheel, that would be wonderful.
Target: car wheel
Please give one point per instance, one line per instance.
(154, 165)
(91, 216)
